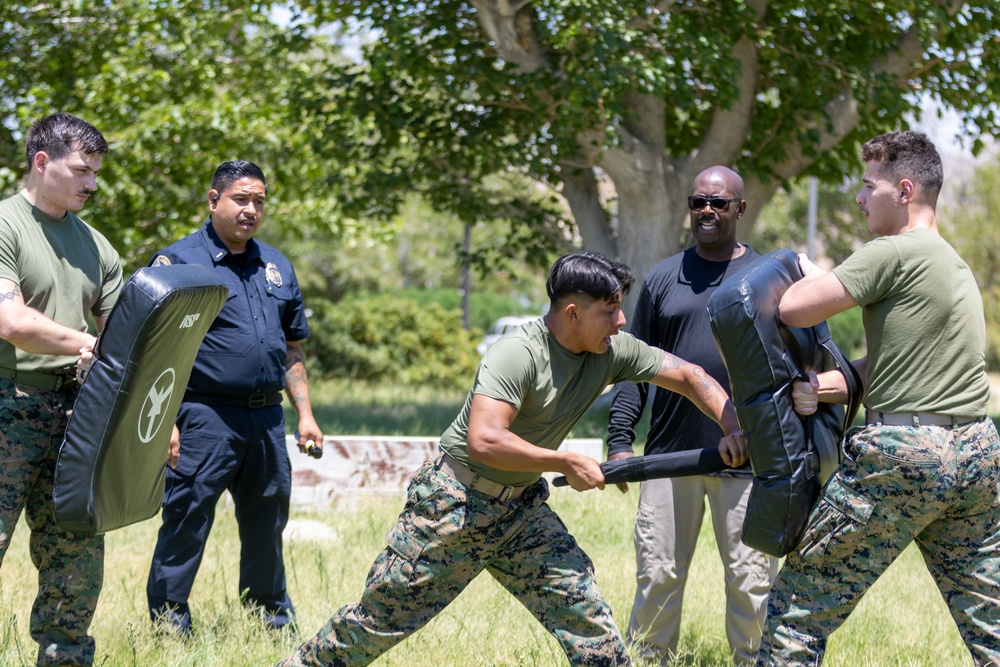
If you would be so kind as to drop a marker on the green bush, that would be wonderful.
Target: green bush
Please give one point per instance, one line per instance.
(848, 332)
(385, 338)
(484, 307)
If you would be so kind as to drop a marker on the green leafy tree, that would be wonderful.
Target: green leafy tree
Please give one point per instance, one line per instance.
(419, 248)
(782, 222)
(970, 226)
(177, 86)
(643, 94)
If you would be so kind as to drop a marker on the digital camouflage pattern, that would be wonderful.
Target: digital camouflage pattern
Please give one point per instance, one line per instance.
(70, 566)
(935, 485)
(443, 539)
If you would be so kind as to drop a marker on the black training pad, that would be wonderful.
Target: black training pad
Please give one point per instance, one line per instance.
(791, 456)
(655, 466)
(110, 472)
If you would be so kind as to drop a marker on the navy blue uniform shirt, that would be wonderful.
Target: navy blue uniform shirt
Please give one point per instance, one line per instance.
(244, 350)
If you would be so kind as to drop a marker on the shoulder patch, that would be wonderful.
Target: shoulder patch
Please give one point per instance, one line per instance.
(161, 260)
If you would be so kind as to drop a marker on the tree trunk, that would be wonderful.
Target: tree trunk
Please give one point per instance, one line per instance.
(651, 212)
(466, 274)
(580, 191)
(756, 193)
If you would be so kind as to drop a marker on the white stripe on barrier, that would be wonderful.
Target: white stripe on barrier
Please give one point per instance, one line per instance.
(353, 467)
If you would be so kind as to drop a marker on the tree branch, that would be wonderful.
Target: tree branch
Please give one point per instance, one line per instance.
(842, 111)
(511, 29)
(728, 129)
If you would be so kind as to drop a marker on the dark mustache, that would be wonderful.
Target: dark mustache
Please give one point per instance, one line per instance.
(86, 191)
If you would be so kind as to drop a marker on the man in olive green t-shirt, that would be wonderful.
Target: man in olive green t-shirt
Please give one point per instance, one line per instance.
(481, 504)
(925, 466)
(55, 270)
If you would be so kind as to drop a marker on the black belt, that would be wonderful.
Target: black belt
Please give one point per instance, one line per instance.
(251, 401)
(471, 480)
(62, 380)
(919, 419)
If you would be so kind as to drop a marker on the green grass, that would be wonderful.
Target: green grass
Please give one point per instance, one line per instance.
(343, 407)
(902, 621)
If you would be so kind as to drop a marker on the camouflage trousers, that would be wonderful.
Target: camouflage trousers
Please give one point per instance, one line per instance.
(935, 485)
(70, 565)
(443, 539)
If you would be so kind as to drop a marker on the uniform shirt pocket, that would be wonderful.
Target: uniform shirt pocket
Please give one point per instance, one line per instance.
(231, 334)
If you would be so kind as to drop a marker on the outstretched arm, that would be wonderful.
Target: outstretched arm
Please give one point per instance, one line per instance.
(691, 381)
(818, 296)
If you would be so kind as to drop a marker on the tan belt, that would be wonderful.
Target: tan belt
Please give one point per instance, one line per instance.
(48, 381)
(470, 480)
(919, 419)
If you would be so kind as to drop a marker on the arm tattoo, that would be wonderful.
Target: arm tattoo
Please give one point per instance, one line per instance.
(6, 296)
(706, 386)
(670, 362)
(293, 356)
(295, 376)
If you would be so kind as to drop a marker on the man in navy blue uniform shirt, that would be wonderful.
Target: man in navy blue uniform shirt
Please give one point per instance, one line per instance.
(230, 431)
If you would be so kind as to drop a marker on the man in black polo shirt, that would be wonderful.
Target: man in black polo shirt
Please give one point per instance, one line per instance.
(671, 314)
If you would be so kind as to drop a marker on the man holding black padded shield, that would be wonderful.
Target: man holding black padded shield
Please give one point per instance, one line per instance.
(925, 467)
(56, 271)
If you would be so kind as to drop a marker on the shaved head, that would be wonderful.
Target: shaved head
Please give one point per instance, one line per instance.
(725, 176)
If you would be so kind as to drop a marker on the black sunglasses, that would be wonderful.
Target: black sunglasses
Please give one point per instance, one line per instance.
(696, 203)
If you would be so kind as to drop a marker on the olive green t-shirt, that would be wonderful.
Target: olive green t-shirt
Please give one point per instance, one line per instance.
(550, 386)
(924, 325)
(65, 269)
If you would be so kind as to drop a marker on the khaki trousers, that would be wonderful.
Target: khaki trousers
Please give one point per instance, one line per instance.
(667, 525)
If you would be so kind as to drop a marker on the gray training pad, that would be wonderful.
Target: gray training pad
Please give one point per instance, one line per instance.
(110, 472)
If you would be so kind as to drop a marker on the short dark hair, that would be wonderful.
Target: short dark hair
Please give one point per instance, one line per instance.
(232, 171)
(909, 155)
(588, 273)
(61, 133)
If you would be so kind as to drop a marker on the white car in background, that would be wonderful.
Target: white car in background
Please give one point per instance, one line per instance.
(501, 327)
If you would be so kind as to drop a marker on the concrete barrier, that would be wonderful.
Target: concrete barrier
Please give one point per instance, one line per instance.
(355, 467)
